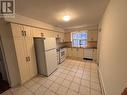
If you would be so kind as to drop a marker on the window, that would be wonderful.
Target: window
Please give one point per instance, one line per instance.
(79, 39)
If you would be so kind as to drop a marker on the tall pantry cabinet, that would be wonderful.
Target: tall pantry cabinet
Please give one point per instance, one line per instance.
(24, 45)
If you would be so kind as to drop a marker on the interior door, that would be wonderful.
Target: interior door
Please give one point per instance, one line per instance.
(32, 58)
(21, 56)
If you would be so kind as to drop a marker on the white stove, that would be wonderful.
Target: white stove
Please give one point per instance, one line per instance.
(58, 56)
(62, 54)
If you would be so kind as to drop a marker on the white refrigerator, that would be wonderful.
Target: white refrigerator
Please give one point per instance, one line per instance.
(46, 55)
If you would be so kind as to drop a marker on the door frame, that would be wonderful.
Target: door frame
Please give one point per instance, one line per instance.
(4, 61)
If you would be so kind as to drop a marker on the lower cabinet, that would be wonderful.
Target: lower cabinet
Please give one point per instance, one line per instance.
(95, 54)
(32, 58)
(23, 64)
(69, 52)
(75, 53)
(26, 58)
(90, 54)
(80, 53)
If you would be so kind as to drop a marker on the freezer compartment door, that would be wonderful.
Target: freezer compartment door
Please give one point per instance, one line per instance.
(50, 43)
(51, 61)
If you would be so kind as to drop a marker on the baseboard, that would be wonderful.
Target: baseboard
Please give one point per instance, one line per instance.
(102, 83)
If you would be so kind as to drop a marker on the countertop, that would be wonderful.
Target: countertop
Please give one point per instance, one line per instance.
(77, 47)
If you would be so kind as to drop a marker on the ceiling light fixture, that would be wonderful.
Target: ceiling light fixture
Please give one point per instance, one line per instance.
(66, 18)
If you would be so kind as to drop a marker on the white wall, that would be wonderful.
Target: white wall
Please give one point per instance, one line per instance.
(113, 47)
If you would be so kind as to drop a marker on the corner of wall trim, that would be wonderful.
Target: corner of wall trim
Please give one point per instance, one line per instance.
(102, 83)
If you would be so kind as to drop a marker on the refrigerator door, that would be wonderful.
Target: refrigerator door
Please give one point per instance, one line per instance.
(51, 61)
(50, 43)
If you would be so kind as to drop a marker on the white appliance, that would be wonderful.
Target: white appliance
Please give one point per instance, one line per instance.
(46, 55)
(62, 54)
(58, 56)
(88, 53)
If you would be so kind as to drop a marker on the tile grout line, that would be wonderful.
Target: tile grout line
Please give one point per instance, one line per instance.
(71, 68)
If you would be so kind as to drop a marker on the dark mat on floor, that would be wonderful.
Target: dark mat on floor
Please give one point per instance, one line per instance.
(87, 59)
(3, 86)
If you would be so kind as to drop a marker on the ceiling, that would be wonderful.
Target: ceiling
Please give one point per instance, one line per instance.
(82, 12)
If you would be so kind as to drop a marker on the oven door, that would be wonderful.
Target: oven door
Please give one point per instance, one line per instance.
(62, 55)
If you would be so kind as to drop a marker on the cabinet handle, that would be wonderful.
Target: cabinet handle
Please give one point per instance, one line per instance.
(26, 59)
(42, 34)
(22, 33)
(29, 58)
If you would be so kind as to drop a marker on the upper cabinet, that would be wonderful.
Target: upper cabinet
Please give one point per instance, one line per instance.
(37, 32)
(68, 37)
(21, 31)
(61, 35)
(92, 36)
(28, 31)
(17, 30)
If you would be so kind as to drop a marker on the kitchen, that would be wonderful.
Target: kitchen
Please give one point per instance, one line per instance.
(88, 51)
(63, 47)
(43, 50)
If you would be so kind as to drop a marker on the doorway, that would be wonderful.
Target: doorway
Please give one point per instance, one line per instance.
(4, 81)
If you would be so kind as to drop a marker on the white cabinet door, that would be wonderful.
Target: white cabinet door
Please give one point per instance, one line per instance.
(36, 32)
(28, 31)
(21, 57)
(94, 54)
(69, 52)
(25, 51)
(21, 31)
(80, 53)
(65, 52)
(61, 37)
(32, 58)
(17, 30)
(30, 51)
(74, 52)
(67, 37)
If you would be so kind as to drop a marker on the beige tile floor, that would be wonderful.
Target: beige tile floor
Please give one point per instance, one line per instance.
(71, 78)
